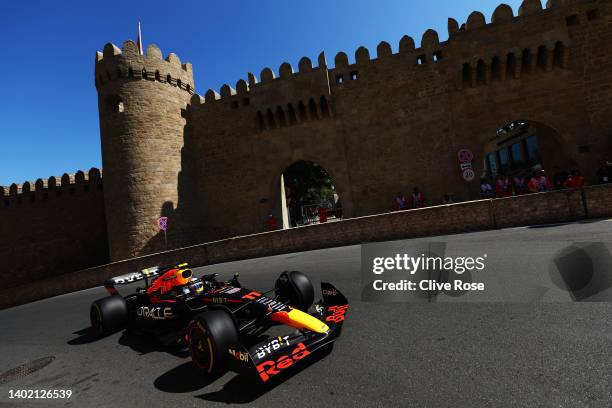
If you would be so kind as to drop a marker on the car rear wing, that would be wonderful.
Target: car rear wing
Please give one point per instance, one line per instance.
(145, 274)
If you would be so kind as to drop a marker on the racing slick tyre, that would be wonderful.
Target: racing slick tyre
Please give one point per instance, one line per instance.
(210, 335)
(295, 288)
(108, 315)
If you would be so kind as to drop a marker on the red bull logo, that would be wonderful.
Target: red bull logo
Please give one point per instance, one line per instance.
(269, 368)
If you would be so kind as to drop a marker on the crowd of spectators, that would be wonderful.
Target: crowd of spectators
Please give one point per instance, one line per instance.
(503, 185)
(539, 182)
(415, 200)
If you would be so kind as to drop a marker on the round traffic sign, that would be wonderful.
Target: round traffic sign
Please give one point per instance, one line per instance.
(162, 222)
(465, 156)
(469, 175)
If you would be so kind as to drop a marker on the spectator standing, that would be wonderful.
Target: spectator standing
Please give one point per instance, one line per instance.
(322, 213)
(503, 186)
(399, 203)
(417, 199)
(559, 178)
(271, 223)
(575, 180)
(539, 183)
(486, 190)
(519, 183)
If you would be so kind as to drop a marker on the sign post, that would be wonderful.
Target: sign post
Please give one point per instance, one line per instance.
(162, 222)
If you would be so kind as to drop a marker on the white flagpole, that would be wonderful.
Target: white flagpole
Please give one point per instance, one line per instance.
(139, 40)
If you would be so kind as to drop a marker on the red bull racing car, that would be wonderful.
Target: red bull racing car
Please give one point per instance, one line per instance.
(221, 322)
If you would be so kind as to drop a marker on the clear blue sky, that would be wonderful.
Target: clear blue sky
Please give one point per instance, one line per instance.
(48, 104)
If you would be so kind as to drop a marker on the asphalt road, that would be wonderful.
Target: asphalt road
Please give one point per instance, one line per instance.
(390, 354)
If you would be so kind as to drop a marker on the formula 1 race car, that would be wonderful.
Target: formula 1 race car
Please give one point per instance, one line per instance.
(221, 322)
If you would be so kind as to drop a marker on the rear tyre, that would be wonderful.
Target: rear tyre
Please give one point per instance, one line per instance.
(295, 288)
(108, 315)
(210, 335)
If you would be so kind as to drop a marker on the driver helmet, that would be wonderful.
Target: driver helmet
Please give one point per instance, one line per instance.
(196, 286)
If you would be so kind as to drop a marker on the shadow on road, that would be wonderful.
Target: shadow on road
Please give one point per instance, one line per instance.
(145, 345)
(85, 336)
(559, 224)
(183, 378)
(244, 389)
(136, 342)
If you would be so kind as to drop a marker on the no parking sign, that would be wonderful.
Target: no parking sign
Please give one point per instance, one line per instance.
(162, 222)
(465, 157)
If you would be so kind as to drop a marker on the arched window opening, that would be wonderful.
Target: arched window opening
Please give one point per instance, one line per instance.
(558, 54)
(113, 104)
(526, 62)
(130, 73)
(542, 58)
(324, 107)
(495, 69)
(280, 114)
(291, 114)
(157, 76)
(481, 72)
(271, 121)
(312, 107)
(302, 111)
(510, 66)
(261, 124)
(466, 74)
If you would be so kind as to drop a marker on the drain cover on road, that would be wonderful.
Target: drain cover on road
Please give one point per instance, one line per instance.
(25, 369)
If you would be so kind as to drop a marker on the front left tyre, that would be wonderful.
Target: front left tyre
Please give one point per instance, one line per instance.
(108, 315)
(210, 335)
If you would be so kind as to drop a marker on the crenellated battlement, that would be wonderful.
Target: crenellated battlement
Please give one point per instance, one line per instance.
(476, 53)
(268, 77)
(429, 46)
(42, 189)
(126, 63)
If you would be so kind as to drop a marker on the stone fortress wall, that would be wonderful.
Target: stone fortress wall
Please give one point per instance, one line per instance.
(52, 226)
(384, 123)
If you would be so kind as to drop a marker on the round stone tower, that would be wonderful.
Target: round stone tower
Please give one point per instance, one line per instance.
(141, 101)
